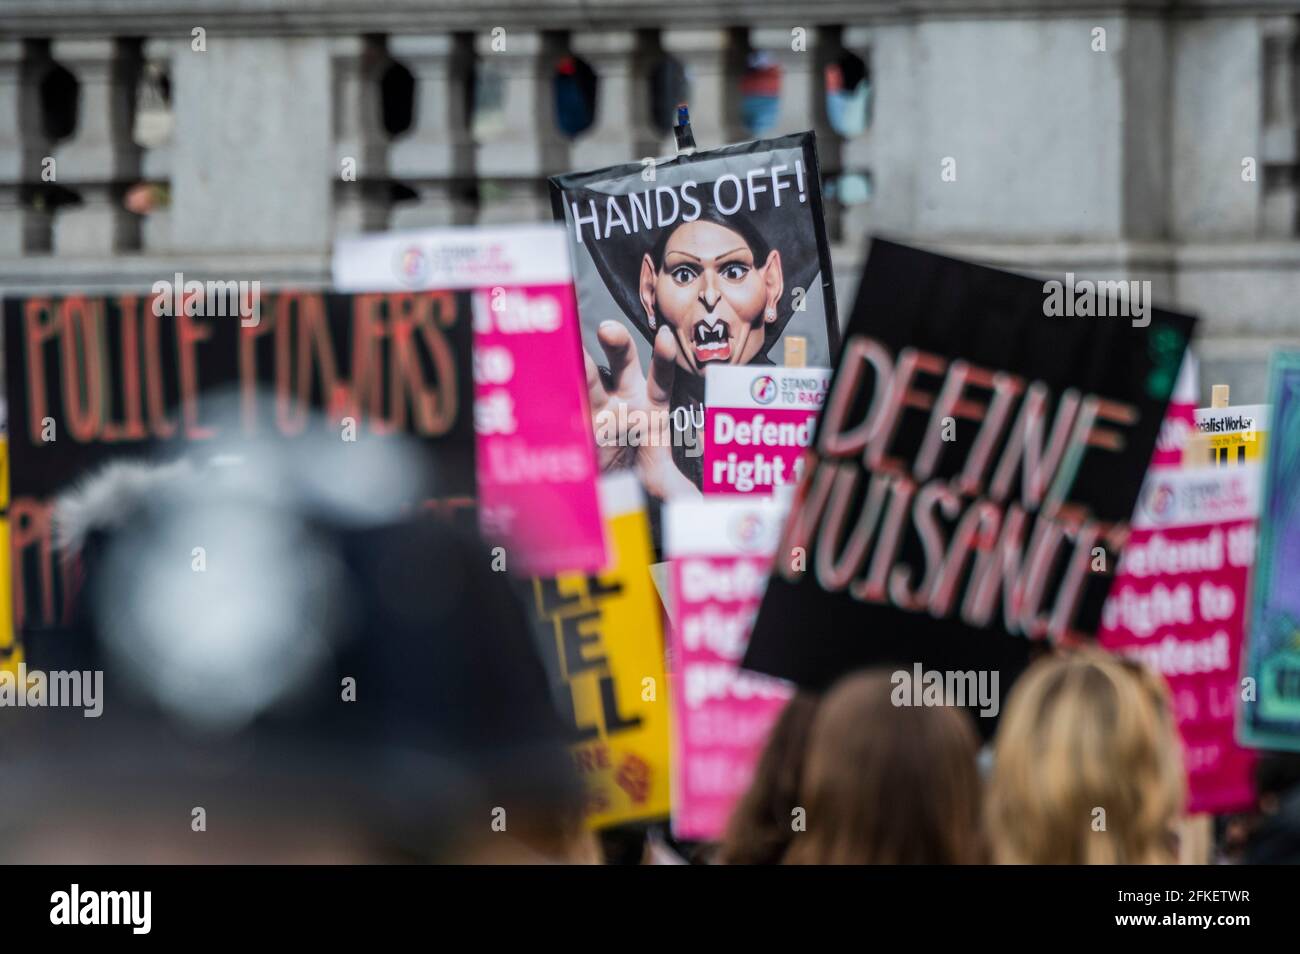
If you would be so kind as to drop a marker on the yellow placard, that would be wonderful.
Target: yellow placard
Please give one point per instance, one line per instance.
(605, 639)
(1239, 447)
(1228, 436)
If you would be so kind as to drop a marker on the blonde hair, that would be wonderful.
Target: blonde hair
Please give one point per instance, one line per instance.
(1083, 732)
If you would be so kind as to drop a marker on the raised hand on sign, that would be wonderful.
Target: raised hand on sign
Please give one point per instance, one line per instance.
(632, 414)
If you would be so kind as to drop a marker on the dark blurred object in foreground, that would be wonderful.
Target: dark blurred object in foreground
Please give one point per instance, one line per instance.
(1275, 839)
(325, 680)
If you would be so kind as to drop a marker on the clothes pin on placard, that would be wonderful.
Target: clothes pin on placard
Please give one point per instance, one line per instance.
(796, 351)
(1198, 448)
(1218, 398)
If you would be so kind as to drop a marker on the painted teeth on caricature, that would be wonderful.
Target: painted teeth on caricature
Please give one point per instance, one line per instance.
(708, 338)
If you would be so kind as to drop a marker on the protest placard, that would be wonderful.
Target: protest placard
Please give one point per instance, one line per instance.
(974, 472)
(705, 259)
(1180, 417)
(1178, 601)
(94, 378)
(1270, 708)
(1178, 605)
(757, 424)
(603, 645)
(720, 552)
(536, 461)
(1228, 436)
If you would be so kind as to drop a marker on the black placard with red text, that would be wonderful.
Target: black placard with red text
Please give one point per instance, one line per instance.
(975, 468)
(91, 378)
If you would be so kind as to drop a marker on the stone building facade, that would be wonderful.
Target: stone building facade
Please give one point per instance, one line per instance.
(1117, 139)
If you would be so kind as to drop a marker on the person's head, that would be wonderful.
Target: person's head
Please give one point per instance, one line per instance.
(1087, 767)
(717, 284)
(759, 830)
(887, 784)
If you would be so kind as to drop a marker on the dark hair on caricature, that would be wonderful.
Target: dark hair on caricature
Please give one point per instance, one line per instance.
(740, 224)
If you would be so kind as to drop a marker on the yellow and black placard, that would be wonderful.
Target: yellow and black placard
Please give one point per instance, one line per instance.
(1228, 436)
(604, 639)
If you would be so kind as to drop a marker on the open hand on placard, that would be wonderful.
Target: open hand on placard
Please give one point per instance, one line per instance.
(632, 414)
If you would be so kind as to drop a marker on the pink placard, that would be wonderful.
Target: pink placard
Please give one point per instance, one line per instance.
(1175, 431)
(757, 423)
(1179, 423)
(1178, 604)
(720, 553)
(536, 460)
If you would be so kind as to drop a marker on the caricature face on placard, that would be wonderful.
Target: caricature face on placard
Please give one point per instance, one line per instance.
(716, 288)
(708, 259)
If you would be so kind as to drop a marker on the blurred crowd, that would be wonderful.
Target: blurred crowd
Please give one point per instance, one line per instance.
(228, 731)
